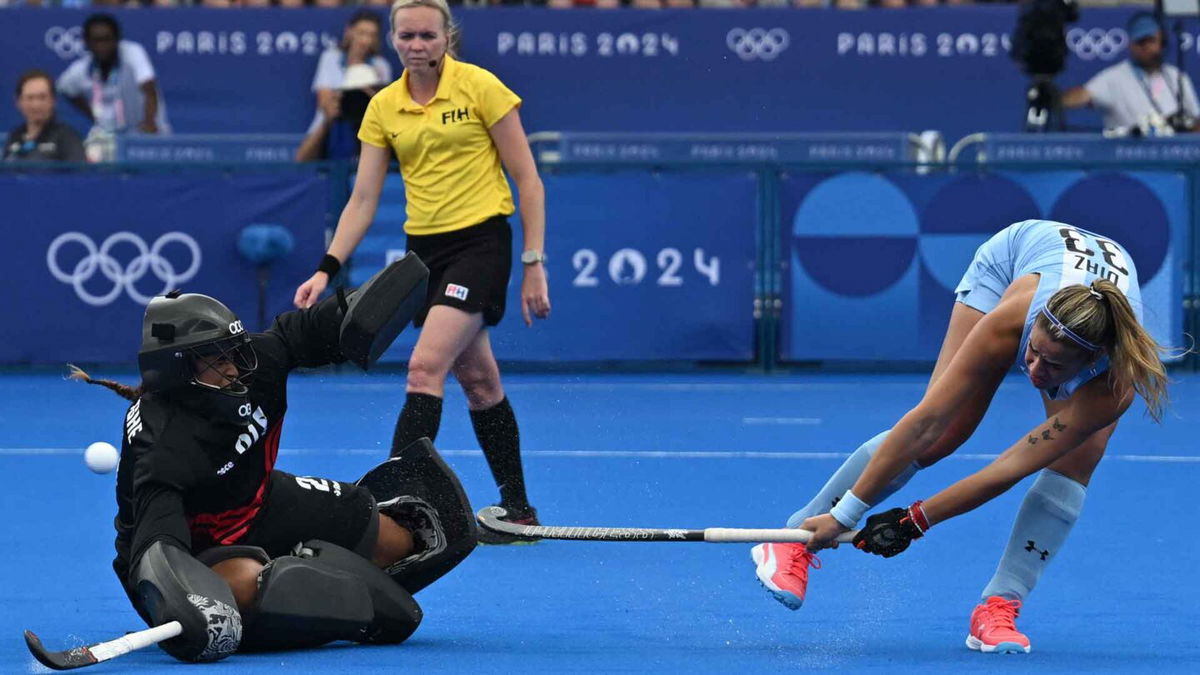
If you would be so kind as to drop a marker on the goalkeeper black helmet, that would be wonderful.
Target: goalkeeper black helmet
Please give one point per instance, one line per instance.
(184, 334)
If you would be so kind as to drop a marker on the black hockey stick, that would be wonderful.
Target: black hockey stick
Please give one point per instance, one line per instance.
(81, 657)
(490, 519)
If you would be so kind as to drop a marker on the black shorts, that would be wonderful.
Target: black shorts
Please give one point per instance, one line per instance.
(299, 508)
(468, 268)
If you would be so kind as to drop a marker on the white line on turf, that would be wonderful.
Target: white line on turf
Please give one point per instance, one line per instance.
(781, 420)
(619, 454)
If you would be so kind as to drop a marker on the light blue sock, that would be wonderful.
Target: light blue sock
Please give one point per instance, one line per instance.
(1047, 515)
(844, 478)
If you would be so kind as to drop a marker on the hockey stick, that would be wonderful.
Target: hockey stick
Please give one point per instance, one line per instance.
(90, 655)
(490, 519)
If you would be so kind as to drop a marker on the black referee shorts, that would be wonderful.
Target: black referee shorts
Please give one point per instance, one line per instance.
(299, 508)
(468, 268)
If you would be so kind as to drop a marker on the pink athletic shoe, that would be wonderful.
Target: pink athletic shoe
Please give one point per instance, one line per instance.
(783, 570)
(994, 628)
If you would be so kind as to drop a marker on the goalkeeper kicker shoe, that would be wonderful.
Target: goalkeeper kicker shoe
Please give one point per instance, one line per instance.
(994, 628)
(783, 570)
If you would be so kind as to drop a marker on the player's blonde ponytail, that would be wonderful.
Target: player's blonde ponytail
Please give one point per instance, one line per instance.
(123, 390)
(1101, 314)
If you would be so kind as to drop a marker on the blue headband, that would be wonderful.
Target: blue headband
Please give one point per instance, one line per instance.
(1070, 334)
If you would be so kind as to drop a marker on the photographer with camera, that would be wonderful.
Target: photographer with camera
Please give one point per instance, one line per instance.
(1142, 92)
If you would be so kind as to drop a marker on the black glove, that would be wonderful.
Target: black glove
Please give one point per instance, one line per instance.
(889, 533)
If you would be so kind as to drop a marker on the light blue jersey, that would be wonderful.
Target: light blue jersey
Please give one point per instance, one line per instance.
(1061, 255)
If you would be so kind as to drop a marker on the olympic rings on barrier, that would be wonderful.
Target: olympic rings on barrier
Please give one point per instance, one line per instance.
(757, 43)
(148, 259)
(66, 42)
(1097, 43)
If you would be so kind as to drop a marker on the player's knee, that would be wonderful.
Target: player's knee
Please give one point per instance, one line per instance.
(242, 576)
(934, 455)
(394, 543)
(950, 440)
(426, 373)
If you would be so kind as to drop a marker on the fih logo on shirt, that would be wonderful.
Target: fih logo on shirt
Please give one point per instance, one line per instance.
(456, 291)
(458, 115)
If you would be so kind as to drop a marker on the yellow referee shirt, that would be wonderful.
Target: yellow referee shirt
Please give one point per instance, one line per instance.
(451, 169)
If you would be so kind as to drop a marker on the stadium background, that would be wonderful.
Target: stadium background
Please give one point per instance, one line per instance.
(785, 253)
(742, 207)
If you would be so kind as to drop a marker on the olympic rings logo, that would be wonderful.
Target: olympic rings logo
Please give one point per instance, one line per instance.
(66, 42)
(757, 43)
(1097, 43)
(148, 259)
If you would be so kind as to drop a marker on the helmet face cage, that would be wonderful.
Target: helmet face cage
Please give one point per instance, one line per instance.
(237, 350)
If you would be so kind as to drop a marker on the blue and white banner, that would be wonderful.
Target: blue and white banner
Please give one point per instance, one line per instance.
(641, 267)
(1059, 149)
(764, 70)
(874, 258)
(657, 149)
(230, 148)
(86, 252)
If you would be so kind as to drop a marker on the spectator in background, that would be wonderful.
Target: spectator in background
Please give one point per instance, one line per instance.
(1131, 92)
(41, 137)
(334, 134)
(360, 46)
(114, 85)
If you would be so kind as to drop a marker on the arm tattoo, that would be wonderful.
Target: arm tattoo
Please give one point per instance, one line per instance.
(1057, 426)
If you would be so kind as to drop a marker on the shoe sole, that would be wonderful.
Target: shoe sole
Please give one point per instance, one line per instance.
(786, 599)
(975, 644)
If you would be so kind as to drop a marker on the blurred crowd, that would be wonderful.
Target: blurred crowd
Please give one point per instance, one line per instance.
(114, 83)
(559, 4)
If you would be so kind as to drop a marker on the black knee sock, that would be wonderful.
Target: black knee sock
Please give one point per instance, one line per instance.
(420, 417)
(496, 429)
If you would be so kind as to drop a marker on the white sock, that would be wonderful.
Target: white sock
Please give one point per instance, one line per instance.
(1046, 517)
(845, 477)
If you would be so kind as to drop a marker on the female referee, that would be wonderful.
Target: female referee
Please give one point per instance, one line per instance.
(1065, 304)
(451, 125)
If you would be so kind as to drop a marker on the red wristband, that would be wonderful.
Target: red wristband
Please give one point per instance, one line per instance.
(917, 513)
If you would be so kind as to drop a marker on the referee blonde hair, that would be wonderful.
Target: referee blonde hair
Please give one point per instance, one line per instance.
(447, 19)
(1102, 315)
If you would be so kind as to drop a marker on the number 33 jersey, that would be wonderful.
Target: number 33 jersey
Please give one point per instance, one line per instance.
(1061, 255)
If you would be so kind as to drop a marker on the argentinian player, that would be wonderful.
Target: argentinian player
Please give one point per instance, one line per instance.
(1065, 304)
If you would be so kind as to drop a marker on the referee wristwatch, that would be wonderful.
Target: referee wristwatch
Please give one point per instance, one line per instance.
(533, 257)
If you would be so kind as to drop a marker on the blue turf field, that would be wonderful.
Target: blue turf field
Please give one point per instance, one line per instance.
(654, 450)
